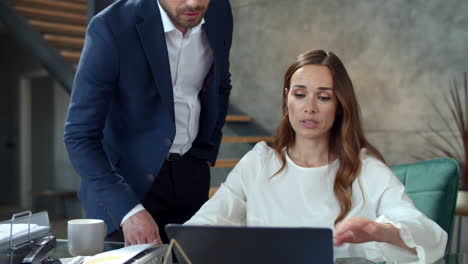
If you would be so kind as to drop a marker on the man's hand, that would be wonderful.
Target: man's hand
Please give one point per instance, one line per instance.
(141, 228)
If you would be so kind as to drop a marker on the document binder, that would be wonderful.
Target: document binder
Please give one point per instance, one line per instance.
(18, 235)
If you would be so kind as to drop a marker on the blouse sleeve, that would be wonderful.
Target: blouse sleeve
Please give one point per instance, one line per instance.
(228, 204)
(416, 230)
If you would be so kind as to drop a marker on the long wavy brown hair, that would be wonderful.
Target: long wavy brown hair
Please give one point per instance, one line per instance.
(346, 137)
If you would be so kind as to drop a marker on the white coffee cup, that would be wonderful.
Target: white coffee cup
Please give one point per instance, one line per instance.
(86, 236)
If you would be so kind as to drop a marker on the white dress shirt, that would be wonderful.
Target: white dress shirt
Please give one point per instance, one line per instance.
(300, 196)
(190, 58)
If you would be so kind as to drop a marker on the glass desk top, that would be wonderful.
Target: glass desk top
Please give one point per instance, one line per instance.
(61, 251)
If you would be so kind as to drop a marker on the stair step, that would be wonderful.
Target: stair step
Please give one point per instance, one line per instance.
(238, 118)
(72, 56)
(226, 163)
(51, 4)
(50, 15)
(248, 139)
(51, 27)
(65, 41)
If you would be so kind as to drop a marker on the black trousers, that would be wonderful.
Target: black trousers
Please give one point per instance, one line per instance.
(178, 191)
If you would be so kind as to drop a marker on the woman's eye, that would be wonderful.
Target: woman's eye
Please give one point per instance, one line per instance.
(324, 98)
(299, 95)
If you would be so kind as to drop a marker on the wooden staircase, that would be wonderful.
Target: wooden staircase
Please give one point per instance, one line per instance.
(63, 24)
(230, 163)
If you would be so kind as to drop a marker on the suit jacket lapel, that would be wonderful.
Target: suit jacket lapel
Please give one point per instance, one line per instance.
(153, 41)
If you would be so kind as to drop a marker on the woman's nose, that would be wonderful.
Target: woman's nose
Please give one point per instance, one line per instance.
(311, 106)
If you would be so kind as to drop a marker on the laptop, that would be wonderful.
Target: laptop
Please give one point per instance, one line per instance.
(253, 245)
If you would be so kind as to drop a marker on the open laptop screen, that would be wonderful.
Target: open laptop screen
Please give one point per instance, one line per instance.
(253, 245)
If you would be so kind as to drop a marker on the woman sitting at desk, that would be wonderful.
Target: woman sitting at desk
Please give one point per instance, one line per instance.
(322, 172)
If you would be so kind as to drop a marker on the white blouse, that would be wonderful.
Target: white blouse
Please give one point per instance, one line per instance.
(299, 196)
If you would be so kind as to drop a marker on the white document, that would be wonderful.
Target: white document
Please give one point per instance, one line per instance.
(118, 256)
(19, 230)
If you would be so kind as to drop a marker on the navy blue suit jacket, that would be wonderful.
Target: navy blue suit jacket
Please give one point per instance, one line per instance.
(120, 123)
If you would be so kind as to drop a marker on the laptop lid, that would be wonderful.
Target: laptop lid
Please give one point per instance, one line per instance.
(253, 245)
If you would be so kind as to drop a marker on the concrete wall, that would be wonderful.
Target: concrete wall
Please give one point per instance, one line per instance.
(399, 53)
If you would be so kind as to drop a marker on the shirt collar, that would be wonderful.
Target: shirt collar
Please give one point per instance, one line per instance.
(169, 26)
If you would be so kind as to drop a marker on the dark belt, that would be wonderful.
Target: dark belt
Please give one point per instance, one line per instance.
(176, 156)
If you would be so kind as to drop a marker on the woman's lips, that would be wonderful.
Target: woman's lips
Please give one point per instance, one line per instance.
(309, 123)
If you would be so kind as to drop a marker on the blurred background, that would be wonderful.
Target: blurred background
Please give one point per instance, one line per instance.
(405, 58)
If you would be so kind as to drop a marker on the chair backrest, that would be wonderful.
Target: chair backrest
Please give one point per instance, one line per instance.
(433, 187)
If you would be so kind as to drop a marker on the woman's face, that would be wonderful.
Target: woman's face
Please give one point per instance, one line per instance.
(312, 102)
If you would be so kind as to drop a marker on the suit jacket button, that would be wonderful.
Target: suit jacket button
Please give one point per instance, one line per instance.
(168, 142)
(150, 177)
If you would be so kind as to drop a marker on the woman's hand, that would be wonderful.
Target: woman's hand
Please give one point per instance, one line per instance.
(361, 230)
(356, 230)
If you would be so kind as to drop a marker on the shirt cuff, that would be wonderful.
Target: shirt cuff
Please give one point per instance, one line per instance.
(136, 209)
(407, 239)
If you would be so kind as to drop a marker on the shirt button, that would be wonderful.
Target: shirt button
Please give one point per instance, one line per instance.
(168, 142)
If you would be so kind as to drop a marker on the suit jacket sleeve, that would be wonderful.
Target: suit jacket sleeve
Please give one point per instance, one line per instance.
(225, 85)
(95, 80)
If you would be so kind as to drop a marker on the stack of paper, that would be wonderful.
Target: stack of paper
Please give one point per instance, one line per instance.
(118, 256)
(19, 231)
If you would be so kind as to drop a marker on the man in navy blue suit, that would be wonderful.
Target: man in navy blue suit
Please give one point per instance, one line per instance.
(149, 100)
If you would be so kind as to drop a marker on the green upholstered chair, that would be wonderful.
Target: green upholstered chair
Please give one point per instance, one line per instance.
(433, 186)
